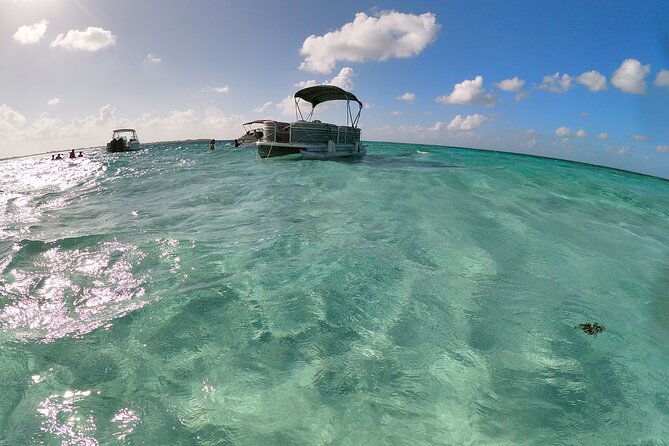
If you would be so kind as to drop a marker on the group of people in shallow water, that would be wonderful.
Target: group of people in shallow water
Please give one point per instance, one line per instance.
(72, 155)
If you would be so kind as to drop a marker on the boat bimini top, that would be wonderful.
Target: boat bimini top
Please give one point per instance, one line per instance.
(324, 93)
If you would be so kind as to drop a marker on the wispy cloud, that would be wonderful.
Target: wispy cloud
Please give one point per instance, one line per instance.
(53, 101)
(639, 137)
(152, 58)
(387, 35)
(563, 132)
(556, 83)
(263, 107)
(513, 85)
(603, 136)
(662, 148)
(92, 39)
(29, 34)
(222, 89)
(630, 77)
(469, 91)
(407, 97)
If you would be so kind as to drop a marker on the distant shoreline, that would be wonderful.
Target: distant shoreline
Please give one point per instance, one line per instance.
(206, 140)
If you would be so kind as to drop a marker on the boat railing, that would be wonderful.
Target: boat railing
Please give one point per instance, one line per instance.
(309, 133)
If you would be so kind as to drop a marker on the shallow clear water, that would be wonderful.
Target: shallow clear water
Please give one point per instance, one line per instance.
(420, 295)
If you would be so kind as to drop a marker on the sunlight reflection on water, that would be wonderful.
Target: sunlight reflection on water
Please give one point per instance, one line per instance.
(72, 291)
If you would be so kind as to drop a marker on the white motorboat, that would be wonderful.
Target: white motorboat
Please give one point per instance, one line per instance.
(314, 139)
(123, 140)
(253, 131)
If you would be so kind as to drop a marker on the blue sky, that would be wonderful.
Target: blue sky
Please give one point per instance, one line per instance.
(586, 81)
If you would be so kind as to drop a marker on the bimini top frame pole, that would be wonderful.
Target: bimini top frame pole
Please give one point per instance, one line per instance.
(324, 93)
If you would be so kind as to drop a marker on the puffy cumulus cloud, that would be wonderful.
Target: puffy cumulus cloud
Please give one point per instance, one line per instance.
(594, 80)
(437, 127)
(222, 89)
(662, 148)
(103, 118)
(407, 97)
(10, 120)
(662, 79)
(342, 80)
(182, 118)
(468, 92)
(46, 127)
(580, 133)
(92, 39)
(562, 132)
(630, 77)
(387, 35)
(514, 84)
(263, 107)
(468, 123)
(556, 83)
(29, 34)
(287, 107)
(152, 58)
(603, 136)
(639, 137)
(53, 101)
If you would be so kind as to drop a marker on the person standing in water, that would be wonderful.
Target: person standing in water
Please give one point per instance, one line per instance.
(212, 144)
(72, 154)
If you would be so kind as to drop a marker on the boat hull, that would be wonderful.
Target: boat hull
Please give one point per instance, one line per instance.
(267, 150)
(120, 145)
(327, 150)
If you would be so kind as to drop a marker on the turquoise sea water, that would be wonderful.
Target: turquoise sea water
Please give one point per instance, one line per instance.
(419, 295)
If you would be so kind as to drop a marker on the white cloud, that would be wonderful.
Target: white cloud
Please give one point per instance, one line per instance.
(342, 80)
(53, 101)
(468, 92)
(619, 150)
(407, 97)
(556, 83)
(263, 107)
(514, 84)
(630, 77)
(45, 127)
(388, 35)
(662, 79)
(182, 118)
(594, 80)
(223, 89)
(287, 106)
(29, 34)
(470, 122)
(521, 95)
(563, 132)
(10, 120)
(396, 113)
(639, 137)
(92, 39)
(580, 133)
(662, 149)
(436, 127)
(603, 136)
(152, 58)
